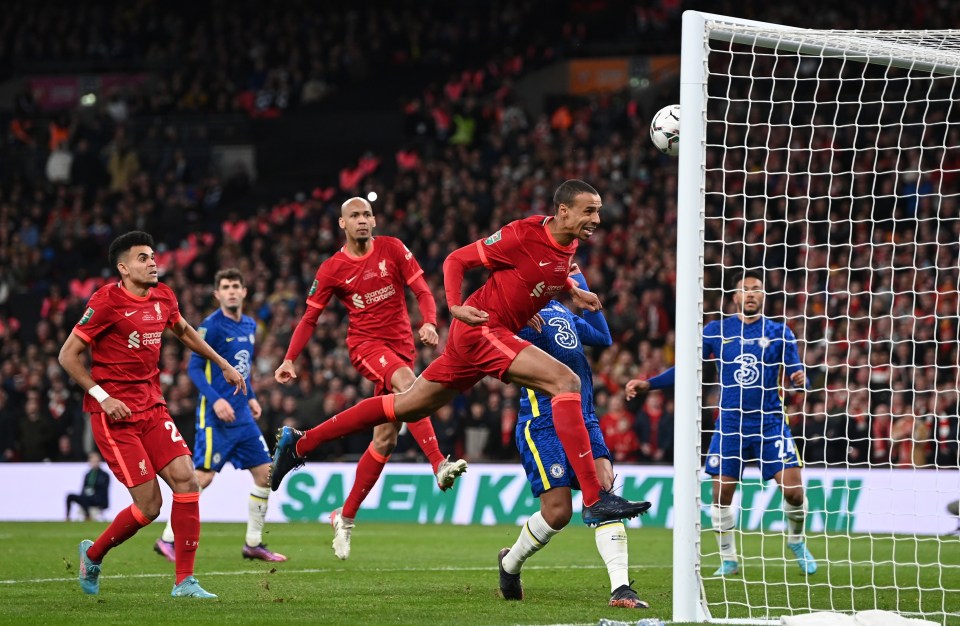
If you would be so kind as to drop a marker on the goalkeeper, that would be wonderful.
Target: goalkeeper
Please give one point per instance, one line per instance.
(751, 352)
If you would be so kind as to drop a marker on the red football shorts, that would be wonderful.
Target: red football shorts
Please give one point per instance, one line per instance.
(377, 362)
(137, 449)
(473, 352)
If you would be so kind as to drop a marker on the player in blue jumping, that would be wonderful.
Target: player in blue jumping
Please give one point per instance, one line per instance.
(562, 335)
(751, 352)
(226, 426)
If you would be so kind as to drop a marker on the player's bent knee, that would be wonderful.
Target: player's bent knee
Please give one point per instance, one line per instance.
(402, 380)
(557, 518)
(793, 496)
(150, 510)
(556, 514)
(569, 382)
(562, 381)
(385, 447)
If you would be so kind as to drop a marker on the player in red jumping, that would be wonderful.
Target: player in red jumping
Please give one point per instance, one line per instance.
(528, 261)
(368, 276)
(122, 325)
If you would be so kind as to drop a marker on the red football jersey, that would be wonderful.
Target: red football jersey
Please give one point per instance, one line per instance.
(372, 289)
(124, 332)
(528, 269)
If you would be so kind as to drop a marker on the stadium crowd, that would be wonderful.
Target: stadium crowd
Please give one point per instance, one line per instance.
(475, 159)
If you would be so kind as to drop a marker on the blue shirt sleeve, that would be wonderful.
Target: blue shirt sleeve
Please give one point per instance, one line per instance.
(667, 378)
(791, 354)
(196, 370)
(664, 379)
(592, 328)
(711, 338)
(251, 394)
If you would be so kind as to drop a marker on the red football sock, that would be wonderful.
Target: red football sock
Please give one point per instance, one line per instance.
(368, 473)
(568, 421)
(422, 430)
(366, 414)
(185, 519)
(124, 525)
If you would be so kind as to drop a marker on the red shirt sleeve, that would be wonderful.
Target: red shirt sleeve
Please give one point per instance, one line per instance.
(303, 332)
(320, 291)
(409, 268)
(493, 253)
(428, 306)
(317, 298)
(455, 266)
(97, 317)
(499, 249)
(174, 307)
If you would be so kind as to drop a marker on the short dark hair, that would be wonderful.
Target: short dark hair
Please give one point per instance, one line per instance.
(229, 273)
(742, 275)
(126, 241)
(568, 191)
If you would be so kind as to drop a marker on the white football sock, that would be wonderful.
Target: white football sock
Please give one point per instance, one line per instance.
(723, 525)
(796, 519)
(533, 536)
(257, 513)
(612, 545)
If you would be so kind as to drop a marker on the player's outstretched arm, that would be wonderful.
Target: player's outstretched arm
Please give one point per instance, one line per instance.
(191, 338)
(69, 359)
(636, 386)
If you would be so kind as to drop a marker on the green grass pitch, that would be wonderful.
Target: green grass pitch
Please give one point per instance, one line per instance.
(408, 574)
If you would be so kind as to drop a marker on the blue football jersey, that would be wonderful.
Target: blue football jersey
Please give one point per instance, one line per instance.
(751, 360)
(563, 337)
(234, 341)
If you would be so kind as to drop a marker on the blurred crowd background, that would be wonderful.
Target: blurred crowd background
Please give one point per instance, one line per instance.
(456, 147)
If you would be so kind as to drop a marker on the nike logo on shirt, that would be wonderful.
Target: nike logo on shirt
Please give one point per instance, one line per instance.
(350, 280)
(129, 313)
(542, 263)
(229, 339)
(585, 454)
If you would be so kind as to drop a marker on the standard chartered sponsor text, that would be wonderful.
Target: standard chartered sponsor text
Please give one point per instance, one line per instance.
(379, 294)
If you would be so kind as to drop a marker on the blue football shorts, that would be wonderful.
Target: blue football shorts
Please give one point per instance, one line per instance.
(543, 457)
(242, 445)
(766, 440)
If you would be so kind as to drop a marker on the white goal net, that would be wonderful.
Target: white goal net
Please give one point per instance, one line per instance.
(829, 163)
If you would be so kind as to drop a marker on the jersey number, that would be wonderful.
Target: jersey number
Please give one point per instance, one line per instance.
(565, 337)
(174, 433)
(790, 450)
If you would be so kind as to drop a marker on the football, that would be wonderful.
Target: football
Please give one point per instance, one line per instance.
(665, 130)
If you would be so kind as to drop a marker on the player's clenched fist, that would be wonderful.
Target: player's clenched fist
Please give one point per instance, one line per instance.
(285, 373)
(428, 335)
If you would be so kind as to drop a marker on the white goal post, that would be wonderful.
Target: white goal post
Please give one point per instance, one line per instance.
(829, 161)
